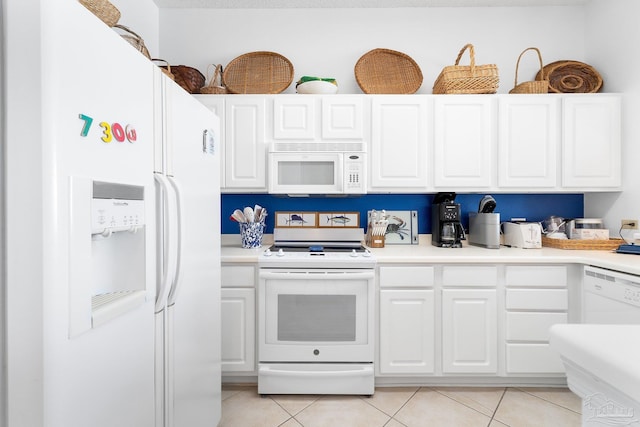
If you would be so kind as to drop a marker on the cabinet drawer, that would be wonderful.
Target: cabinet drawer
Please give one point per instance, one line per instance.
(471, 275)
(536, 276)
(533, 359)
(537, 299)
(406, 277)
(238, 276)
(523, 326)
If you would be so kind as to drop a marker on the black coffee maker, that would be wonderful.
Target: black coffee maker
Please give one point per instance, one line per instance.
(446, 229)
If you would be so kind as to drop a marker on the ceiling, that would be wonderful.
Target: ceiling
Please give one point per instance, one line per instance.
(292, 4)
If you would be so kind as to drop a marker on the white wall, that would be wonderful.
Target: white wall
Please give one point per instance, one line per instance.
(611, 41)
(142, 17)
(328, 42)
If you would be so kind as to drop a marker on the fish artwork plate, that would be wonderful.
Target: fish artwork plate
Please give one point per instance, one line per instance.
(402, 228)
(296, 219)
(339, 219)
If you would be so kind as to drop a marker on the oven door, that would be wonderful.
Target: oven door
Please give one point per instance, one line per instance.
(306, 173)
(316, 315)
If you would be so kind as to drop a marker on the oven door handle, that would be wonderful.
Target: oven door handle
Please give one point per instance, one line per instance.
(317, 275)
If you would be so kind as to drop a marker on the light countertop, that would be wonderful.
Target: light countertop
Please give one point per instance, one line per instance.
(424, 252)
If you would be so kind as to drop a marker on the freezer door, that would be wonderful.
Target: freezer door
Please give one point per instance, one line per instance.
(192, 322)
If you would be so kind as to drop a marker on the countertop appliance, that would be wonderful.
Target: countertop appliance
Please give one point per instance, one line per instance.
(119, 251)
(526, 235)
(446, 228)
(484, 230)
(610, 297)
(316, 300)
(317, 168)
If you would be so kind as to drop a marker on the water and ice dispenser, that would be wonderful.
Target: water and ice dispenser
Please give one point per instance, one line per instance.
(108, 244)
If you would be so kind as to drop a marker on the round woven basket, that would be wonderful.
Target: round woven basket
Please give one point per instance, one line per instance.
(571, 77)
(258, 72)
(382, 71)
(215, 84)
(103, 9)
(189, 78)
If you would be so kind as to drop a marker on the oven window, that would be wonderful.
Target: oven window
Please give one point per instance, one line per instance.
(306, 173)
(325, 318)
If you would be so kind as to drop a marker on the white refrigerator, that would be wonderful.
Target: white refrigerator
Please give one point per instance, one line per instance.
(92, 336)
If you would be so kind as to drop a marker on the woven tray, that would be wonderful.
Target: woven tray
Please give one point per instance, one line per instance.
(103, 9)
(258, 72)
(387, 71)
(575, 244)
(571, 77)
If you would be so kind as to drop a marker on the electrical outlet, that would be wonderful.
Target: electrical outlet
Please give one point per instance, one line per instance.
(629, 224)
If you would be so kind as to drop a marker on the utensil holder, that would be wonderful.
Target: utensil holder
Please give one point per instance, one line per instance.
(251, 234)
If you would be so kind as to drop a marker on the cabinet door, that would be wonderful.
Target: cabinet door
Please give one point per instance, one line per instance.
(294, 117)
(407, 331)
(528, 135)
(469, 331)
(238, 330)
(464, 145)
(591, 152)
(245, 145)
(342, 117)
(399, 142)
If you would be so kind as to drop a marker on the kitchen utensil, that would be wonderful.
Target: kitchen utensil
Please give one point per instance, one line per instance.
(238, 216)
(248, 214)
(487, 204)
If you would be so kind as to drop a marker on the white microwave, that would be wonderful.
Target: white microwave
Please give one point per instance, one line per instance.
(317, 172)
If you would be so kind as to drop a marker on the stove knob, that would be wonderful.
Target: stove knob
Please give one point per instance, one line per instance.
(366, 253)
(268, 252)
(280, 252)
(353, 253)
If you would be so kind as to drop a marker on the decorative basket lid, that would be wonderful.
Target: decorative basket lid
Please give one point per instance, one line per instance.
(387, 71)
(258, 72)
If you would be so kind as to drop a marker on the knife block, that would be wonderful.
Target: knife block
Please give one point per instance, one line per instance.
(374, 241)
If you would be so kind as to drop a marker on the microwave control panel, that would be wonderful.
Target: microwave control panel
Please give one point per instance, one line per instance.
(354, 173)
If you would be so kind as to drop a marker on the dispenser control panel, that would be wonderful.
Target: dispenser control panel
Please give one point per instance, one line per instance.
(116, 207)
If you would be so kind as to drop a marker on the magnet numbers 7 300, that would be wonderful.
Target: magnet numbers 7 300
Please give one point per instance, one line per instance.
(110, 131)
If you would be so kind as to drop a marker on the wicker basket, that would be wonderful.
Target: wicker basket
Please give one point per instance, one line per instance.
(189, 78)
(166, 69)
(215, 84)
(571, 77)
(467, 78)
(387, 71)
(537, 86)
(578, 244)
(134, 39)
(103, 9)
(258, 72)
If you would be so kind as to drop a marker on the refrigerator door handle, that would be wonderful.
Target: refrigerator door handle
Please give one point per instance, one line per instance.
(169, 235)
(175, 283)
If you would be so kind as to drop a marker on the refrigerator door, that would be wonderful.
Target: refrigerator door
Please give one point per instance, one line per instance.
(191, 320)
(97, 116)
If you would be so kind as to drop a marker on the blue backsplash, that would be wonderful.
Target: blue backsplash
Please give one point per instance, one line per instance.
(533, 207)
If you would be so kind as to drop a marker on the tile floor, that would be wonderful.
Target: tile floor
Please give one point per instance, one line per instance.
(405, 407)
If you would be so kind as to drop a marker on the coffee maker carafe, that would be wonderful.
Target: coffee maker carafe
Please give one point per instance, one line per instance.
(446, 229)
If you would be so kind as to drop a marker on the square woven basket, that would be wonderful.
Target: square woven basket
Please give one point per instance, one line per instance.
(467, 79)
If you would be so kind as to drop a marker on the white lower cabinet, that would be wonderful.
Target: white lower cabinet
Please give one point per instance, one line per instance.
(407, 320)
(469, 331)
(238, 312)
(536, 298)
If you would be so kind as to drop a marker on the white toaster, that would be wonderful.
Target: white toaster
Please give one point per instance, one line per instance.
(527, 235)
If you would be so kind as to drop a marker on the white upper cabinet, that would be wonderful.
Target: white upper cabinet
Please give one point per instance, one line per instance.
(294, 117)
(591, 149)
(464, 142)
(528, 141)
(342, 117)
(399, 155)
(245, 143)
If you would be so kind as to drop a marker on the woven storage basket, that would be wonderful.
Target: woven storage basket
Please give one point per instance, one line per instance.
(577, 244)
(571, 77)
(387, 71)
(189, 78)
(258, 72)
(103, 9)
(166, 69)
(537, 86)
(215, 84)
(134, 39)
(467, 78)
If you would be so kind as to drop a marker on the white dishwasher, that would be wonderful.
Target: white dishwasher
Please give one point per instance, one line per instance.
(610, 297)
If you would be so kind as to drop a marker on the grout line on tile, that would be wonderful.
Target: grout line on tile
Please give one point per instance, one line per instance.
(547, 400)
(464, 404)
(399, 409)
(498, 406)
